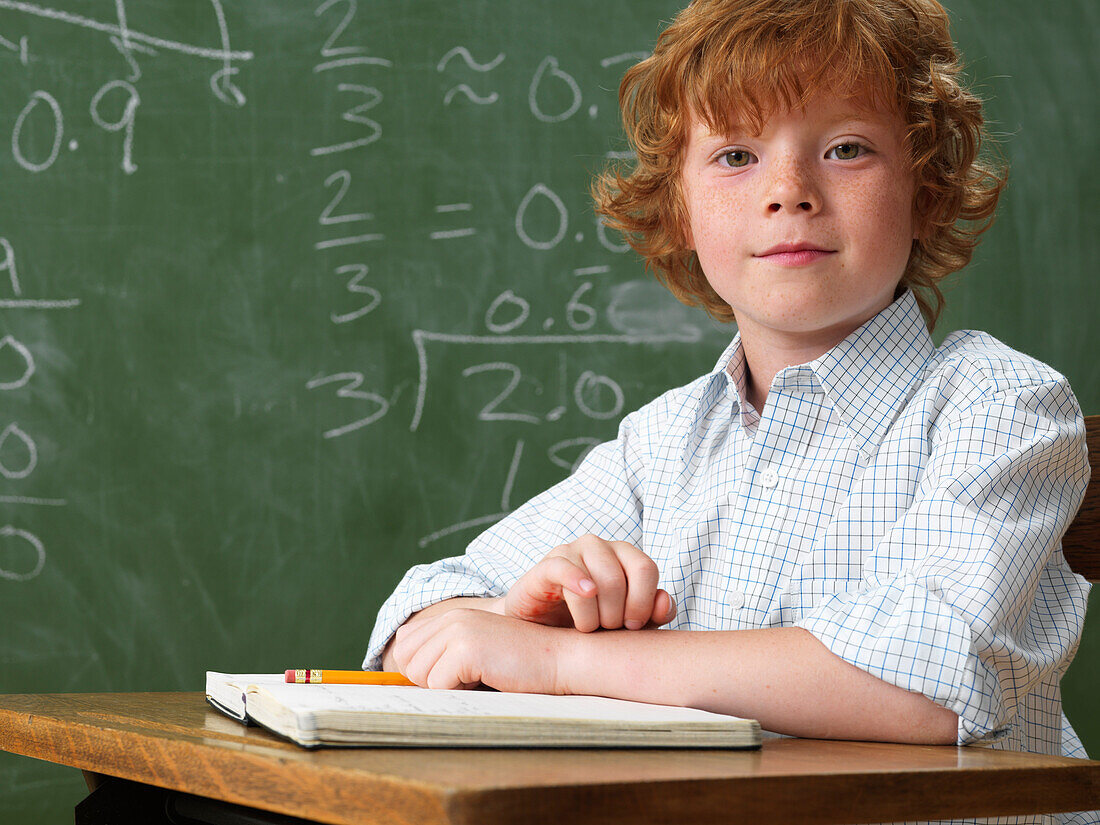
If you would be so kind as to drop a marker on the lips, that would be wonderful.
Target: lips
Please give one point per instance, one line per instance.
(798, 253)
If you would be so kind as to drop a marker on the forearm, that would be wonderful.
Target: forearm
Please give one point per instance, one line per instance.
(494, 604)
(783, 677)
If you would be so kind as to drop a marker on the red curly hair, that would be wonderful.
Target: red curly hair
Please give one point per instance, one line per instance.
(736, 61)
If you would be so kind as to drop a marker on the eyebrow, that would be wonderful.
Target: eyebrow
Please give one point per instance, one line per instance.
(852, 116)
(849, 116)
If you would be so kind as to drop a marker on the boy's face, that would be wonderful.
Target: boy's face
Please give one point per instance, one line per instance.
(806, 229)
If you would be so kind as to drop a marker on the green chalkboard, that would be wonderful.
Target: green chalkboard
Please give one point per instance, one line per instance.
(294, 295)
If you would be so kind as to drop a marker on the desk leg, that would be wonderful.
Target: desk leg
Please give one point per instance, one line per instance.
(115, 801)
(121, 802)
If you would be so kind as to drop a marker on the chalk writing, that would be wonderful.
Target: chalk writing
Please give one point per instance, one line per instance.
(421, 339)
(357, 287)
(19, 48)
(507, 299)
(337, 54)
(444, 234)
(463, 88)
(8, 265)
(549, 66)
(24, 364)
(13, 432)
(58, 130)
(220, 81)
(371, 98)
(485, 520)
(541, 190)
(125, 122)
(40, 128)
(20, 539)
(112, 29)
(353, 381)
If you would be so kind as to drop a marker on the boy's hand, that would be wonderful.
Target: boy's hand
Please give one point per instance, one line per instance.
(464, 648)
(591, 583)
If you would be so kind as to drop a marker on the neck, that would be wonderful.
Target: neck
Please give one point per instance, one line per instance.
(767, 353)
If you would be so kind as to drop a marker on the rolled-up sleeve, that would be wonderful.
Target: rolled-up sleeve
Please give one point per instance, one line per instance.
(967, 598)
(602, 497)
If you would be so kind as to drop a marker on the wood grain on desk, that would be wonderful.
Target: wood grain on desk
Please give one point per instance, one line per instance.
(174, 740)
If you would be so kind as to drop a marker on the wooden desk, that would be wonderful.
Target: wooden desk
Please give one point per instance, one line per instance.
(174, 741)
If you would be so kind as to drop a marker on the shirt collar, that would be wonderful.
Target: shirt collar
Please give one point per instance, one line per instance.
(867, 376)
(870, 374)
(729, 376)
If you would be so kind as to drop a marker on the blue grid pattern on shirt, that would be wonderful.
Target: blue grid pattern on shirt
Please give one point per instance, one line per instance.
(902, 503)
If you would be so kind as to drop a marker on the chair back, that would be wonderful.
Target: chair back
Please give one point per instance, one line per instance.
(1081, 544)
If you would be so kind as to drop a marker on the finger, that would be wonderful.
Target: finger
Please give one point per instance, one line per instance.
(541, 591)
(581, 596)
(607, 572)
(664, 609)
(440, 656)
(444, 673)
(641, 584)
(584, 611)
(417, 627)
(399, 647)
(411, 636)
(558, 573)
(419, 656)
(458, 663)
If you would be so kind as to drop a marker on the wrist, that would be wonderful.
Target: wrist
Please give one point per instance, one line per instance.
(625, 664)
(488, 603)
(571, 652)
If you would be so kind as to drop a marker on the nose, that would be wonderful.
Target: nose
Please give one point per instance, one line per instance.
(791, 188)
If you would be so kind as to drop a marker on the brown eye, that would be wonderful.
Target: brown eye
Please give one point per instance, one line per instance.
(845, 151)
(737, 158)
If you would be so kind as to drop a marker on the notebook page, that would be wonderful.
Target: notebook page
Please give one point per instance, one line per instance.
(243, 680)
(305, 699)
(226, 691)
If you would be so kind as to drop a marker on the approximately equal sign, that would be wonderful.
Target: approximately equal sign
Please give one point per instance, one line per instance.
(444, 234)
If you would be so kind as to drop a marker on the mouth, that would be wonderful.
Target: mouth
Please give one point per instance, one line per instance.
(798, 253)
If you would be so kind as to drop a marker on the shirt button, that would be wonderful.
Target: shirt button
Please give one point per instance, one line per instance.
(769, 477)
(736, 600)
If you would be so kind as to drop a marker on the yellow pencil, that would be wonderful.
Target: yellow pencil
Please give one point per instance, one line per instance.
(346, 677)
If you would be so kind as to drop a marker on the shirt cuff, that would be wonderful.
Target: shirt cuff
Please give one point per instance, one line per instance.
(906, 636)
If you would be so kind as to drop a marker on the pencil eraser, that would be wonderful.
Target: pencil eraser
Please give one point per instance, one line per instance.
(290, 676)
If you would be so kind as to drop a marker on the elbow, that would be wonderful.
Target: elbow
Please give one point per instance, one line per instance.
(945, 727)
(934, 725)
(912, 719)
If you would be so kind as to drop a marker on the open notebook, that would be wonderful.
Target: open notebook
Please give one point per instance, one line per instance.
(378, 715)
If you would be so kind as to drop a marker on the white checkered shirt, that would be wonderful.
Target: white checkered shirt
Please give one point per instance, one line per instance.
(902, 503)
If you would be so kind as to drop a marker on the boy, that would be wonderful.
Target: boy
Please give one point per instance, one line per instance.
(847, 532)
